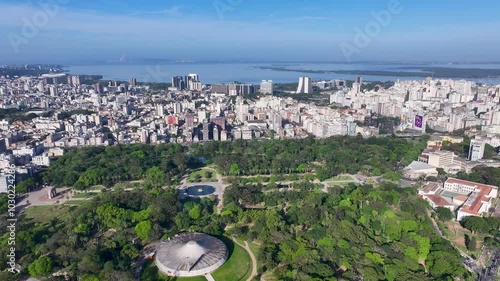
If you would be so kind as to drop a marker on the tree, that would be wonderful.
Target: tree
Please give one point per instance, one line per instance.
(208, 174)
(41, 266)
(441, 172)
(156, 177)
(234, 169)
(444, 214)
(143, 229)
(195, 212)
(475, 224)
(470, 242)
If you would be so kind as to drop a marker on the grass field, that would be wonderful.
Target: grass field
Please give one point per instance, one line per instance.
(76, 202)
(44, 214)
(238, 266)
(84, 195)
(455, 233)
(339, 181)
(203, 175)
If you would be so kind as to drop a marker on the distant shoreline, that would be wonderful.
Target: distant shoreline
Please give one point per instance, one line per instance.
(437, 72)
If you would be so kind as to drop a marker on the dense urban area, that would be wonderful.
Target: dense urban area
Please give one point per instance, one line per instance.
(314, 180)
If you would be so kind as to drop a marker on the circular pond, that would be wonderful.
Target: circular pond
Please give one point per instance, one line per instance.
(200, 190)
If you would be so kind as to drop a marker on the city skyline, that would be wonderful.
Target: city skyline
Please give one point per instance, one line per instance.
(70, 31)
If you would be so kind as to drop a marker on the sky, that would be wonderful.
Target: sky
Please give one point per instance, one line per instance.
(78, 31)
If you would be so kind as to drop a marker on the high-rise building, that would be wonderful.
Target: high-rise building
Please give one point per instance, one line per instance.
(189, 120)
(206, 131)
(144, 136)
(266, 87)
(193, 77)
(160, 110)
(193, 82)
(99, 88)
(219, 122)
(476, 150)
(356, 86)
(305, 86)
(75, 80)
(177, 108)
(216, 134)
(240, 89)
(132, 81)
(220, 88)
(53, 91)
(195, 85)
(178, 82)
(40, 86)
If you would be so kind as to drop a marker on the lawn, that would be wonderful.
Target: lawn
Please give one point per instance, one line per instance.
(203, 175)
(455, 233)
(76, 202)
(44, 214)
(340, 181)
(82, 195)
(333, 183)
(238, 266)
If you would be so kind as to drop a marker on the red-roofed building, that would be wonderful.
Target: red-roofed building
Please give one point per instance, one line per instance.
(480, 200)
(466, 197)
(438, 201)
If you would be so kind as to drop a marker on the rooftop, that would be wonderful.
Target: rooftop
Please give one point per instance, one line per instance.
(190, 254)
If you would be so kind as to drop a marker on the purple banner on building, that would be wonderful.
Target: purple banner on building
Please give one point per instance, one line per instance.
(419, 121)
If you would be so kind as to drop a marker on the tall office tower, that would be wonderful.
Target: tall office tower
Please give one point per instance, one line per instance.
(266, 87)
(476, 150)
(358, 80)
(70, 80)
(132, 82)
(178, 82)
(192, 77)
(206, 131)
(305, 86)
(113, 84)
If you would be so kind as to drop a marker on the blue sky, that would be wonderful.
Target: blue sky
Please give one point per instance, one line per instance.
(253, 30)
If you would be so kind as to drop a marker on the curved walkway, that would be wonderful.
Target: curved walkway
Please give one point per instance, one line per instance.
(252, 256)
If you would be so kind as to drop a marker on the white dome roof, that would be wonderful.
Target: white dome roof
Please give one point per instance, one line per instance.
(190, 254)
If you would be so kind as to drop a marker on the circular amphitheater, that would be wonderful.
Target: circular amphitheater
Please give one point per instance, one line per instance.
(190, 254)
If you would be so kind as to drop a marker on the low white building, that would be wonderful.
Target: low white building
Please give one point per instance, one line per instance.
(418, 169)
